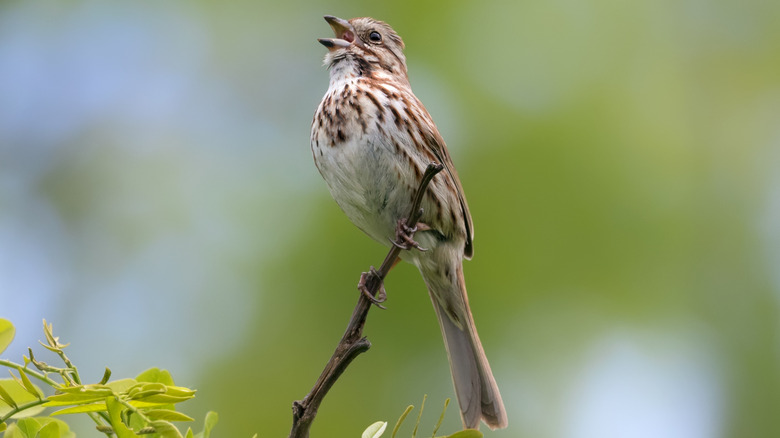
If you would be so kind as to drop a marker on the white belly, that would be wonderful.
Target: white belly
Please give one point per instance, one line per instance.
(364, 178)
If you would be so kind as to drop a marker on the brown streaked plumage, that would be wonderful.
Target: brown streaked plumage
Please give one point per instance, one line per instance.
(371, 140)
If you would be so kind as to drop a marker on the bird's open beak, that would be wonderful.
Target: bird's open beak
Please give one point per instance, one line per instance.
(345, 34)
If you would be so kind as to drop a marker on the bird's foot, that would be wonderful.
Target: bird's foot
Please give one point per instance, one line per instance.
(404, 234)
(372, 276)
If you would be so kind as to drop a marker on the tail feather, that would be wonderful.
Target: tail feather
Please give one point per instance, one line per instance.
(475, 387)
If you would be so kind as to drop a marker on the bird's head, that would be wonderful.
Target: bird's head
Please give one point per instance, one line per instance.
(368, 46)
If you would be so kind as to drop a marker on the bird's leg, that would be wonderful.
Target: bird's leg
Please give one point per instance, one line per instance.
(404, 234)
(372, 276)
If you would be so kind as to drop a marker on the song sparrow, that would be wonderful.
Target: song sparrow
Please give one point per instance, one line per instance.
(372, 139)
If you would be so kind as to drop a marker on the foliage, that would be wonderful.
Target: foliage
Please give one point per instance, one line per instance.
(377, 429)
(126, 407)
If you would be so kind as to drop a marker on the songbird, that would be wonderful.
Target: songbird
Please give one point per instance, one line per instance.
(372, 139)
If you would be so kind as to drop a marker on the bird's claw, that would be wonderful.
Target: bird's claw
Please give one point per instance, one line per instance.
(381, 295)
(404, 233)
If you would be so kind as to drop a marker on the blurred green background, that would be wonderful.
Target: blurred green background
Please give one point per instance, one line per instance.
(159, 205)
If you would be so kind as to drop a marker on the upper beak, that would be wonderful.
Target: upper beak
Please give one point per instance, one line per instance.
(345, 33)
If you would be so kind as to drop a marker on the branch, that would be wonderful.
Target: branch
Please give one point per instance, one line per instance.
(352, 342)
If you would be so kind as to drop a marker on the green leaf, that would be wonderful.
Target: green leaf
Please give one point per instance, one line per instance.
(28, 385)
(144, 404)
(81, 409)
(6, 397)
(13, 432)
(164, 399)
(100, 406)
(53, 341)
(78, 398)
(106, 376)
(115, 414)
(85, 389)
(167, 415)
(51, 430)
(29, 427)
(143, 390)
(179, 391)
(468, 433)
(6, 334)
(63, 431)
(441, 417)
(375, 430)
(156, 375)
(401, 420)
(11, 389)
(419, 416)
(209, 423)
(159, 393)
(121, 385)
(165, 429)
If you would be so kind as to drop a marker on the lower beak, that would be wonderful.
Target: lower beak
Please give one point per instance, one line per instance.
(333, 43)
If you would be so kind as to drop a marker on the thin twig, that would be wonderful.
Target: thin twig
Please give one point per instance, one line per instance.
(352, 342)
(42, 377)
(21, 408)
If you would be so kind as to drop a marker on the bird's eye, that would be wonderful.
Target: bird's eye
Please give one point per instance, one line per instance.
(375, 37)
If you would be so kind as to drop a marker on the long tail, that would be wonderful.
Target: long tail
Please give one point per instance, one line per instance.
(475, 386)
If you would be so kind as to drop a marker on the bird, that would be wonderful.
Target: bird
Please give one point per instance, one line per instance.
(371, 140)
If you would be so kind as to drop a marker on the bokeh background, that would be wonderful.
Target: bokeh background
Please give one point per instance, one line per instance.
(159, 205)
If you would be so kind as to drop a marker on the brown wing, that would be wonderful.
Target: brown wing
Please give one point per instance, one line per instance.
(439, 149)
(434, 142)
